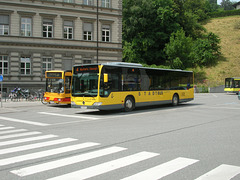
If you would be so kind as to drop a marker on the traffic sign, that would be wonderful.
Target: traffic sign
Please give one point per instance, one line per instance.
(1, 78)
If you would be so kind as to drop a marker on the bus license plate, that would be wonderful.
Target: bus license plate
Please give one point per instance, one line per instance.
(83, 107)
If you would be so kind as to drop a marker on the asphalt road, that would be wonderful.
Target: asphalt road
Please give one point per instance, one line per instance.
(195, 140)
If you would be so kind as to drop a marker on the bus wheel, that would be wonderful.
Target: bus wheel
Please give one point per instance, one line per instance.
(175, 100)
(129, 104)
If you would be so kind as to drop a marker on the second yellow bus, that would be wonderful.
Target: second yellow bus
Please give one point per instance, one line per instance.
(58, 84)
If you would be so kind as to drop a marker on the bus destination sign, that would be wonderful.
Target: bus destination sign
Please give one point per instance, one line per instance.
(54, 74)
(84, 69)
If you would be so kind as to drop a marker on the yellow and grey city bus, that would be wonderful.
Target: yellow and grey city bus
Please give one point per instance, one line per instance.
(232, 85)
(125, 86)
(58, 83)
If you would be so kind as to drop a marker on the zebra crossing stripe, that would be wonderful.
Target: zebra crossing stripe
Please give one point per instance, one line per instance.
(23, 121)
(69, 116)
(46, 153)
(66, 161)
(106, 167)
(20, 135)
(1, 125)
(223, 172)
(12, 131)
(162, 170)
(36, 145)
(6, 128)
(4, 143)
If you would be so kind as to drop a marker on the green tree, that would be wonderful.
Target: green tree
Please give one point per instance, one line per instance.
(197, 7)
(164, 32)
(206, 50)
(227, 5)
(184, 52)
(147, 26)
(213, 6)
(179, 51)
(187, 20)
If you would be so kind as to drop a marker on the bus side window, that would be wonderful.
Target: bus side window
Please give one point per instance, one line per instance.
(131, 79)
(145, 81)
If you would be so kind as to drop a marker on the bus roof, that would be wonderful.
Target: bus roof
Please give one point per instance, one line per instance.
(131, 65)
(59, 70)
(236, 78)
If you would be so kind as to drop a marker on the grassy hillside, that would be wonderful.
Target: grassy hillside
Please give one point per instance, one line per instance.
(228, 29)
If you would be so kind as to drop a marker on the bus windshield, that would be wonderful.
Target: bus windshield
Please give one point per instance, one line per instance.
(54, 85)
(232, 83)
(85, 84)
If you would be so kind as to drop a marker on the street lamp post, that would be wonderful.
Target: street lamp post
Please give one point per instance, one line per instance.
(97, 30)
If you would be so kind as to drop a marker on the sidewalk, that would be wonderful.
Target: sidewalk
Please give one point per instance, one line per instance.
(12, 106)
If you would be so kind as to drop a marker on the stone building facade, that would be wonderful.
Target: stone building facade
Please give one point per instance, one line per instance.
(40, 35)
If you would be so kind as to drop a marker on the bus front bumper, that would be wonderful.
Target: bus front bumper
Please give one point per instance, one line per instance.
(97, 105)
(94, 106)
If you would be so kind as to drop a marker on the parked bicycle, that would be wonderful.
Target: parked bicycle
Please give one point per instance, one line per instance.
(18, 93)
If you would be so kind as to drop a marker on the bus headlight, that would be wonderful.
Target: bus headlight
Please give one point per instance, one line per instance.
(97, 104)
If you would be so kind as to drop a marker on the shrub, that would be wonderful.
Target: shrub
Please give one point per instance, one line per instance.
(223, 13)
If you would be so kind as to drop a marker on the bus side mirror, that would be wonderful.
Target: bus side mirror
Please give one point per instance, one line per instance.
(105, 78)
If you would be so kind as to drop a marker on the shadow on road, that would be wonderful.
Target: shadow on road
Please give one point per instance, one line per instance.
(137, 110)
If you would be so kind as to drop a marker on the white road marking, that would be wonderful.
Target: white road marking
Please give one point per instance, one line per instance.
(106, 167)
(20, 135)
(36, 145)
(69, 116)
(214, 95)
(162, 170)
(47, 153)
(6, 128)
(12, 131)
(95, 118)
(66, 161)
(4, 143)
(223, 172)
(23, 121)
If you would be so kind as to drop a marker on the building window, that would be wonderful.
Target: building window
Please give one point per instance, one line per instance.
(47, 64)
(88, 2)
(68, 30)
(68, 1)
(106, 33)
(26, 27)
(88, 31)
(25, 65)
(106, 3)
(4, 25)
(48, 28)
(3, 64)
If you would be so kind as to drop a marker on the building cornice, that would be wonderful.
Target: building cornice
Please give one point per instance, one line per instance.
(75, 8)
(88, 19)
(68, 17)
(58, 43)
(26, 13)
(4, 11)
(48, 15)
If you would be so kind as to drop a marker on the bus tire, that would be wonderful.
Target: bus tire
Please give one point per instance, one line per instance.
(129, 104)
(175, 100)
